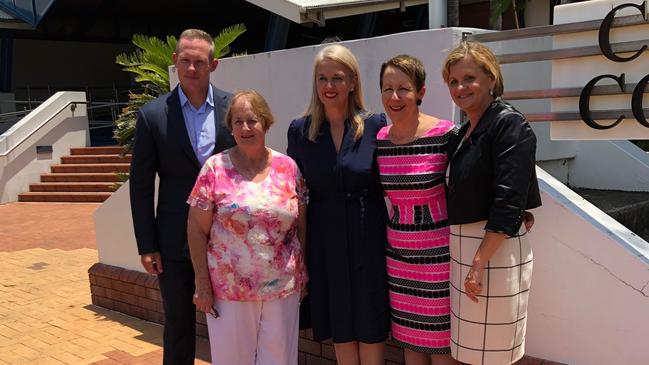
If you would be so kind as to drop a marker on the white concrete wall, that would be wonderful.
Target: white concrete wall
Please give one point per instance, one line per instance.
(590, 294)
(114, 231)
(610, 165)
(20, 165)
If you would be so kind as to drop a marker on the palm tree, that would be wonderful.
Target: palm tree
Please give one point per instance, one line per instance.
(499, 7)
(150, 62)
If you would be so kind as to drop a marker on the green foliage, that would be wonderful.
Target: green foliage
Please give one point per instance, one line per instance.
(125, 123)
(503, 5)
(225, 38)
(150, 64)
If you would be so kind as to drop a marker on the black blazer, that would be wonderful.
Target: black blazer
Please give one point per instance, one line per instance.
(492, 174)
(162, 146)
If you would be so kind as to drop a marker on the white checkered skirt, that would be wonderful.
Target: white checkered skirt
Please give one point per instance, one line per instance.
(492, 331)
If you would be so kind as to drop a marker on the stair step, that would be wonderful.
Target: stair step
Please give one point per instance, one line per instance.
(94, 159)
(72, 186)
(80, 177)
(69, 197)
(86, 168)
(104, 150)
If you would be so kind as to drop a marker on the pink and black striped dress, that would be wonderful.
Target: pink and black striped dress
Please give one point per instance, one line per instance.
(413, 177)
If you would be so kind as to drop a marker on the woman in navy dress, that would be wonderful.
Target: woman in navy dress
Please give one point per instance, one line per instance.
(334, 144)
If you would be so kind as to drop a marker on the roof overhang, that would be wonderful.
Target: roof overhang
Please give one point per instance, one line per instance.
(8, 21)
(317, 11)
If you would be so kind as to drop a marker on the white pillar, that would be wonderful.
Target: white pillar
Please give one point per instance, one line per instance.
(436, 14)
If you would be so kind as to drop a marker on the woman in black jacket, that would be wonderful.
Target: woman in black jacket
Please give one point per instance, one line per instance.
(492, 181)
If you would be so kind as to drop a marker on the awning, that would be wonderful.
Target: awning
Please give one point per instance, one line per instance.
(10, 22)
(317, 11)
(30, 12)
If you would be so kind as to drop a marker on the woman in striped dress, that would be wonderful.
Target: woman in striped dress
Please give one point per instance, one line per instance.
(412, 164)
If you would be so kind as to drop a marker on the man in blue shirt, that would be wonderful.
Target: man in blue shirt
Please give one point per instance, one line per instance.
(175, 134)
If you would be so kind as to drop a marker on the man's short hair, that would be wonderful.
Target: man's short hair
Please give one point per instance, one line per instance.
(196, 34)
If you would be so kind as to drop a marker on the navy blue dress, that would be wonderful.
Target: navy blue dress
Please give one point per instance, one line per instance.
(346, 232)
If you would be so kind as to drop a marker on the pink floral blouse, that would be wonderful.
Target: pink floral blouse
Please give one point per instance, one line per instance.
(253, 251)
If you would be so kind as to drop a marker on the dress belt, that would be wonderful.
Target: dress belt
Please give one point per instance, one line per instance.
(352, 195)
(356, 251)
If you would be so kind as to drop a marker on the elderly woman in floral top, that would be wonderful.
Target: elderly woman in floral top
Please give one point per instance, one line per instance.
(245, 230)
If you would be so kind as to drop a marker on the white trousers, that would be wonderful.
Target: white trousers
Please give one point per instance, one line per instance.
(255, 333)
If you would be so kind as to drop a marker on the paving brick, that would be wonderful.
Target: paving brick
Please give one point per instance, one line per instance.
(14, 358)
(128, 298)
(105, 302)
(309, 347)
(153, 294)
(141, 279)
(66, 357)
(43, 361)
(98, 290)
(107, 361)
(38, 225)
(138, 290)
(104, 282)
(26, 352)
(314, 360)
(122, 356)
(328, 352)
(394, 353)
(152, 282)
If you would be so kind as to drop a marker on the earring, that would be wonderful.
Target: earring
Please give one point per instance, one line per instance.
(491, 93)
(418, 102)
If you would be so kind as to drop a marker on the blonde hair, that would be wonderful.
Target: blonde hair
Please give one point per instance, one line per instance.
(196, 34)
(482, 56)
(409, 65)
(355, 106)
(259, 107)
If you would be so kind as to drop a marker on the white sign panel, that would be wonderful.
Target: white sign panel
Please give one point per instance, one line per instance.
(603, 117)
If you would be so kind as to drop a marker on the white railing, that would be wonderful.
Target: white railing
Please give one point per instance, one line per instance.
(58, 124)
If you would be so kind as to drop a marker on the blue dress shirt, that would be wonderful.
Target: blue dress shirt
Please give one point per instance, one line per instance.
(200, 124)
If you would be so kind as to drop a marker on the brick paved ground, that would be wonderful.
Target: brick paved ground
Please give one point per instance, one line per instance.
(46, 225)
(45, 311)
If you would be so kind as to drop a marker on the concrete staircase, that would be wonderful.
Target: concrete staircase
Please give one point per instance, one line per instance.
(87, 175)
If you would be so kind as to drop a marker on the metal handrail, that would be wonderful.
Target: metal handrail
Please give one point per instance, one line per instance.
(92, 105)
(550, 30)
(71, 104)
